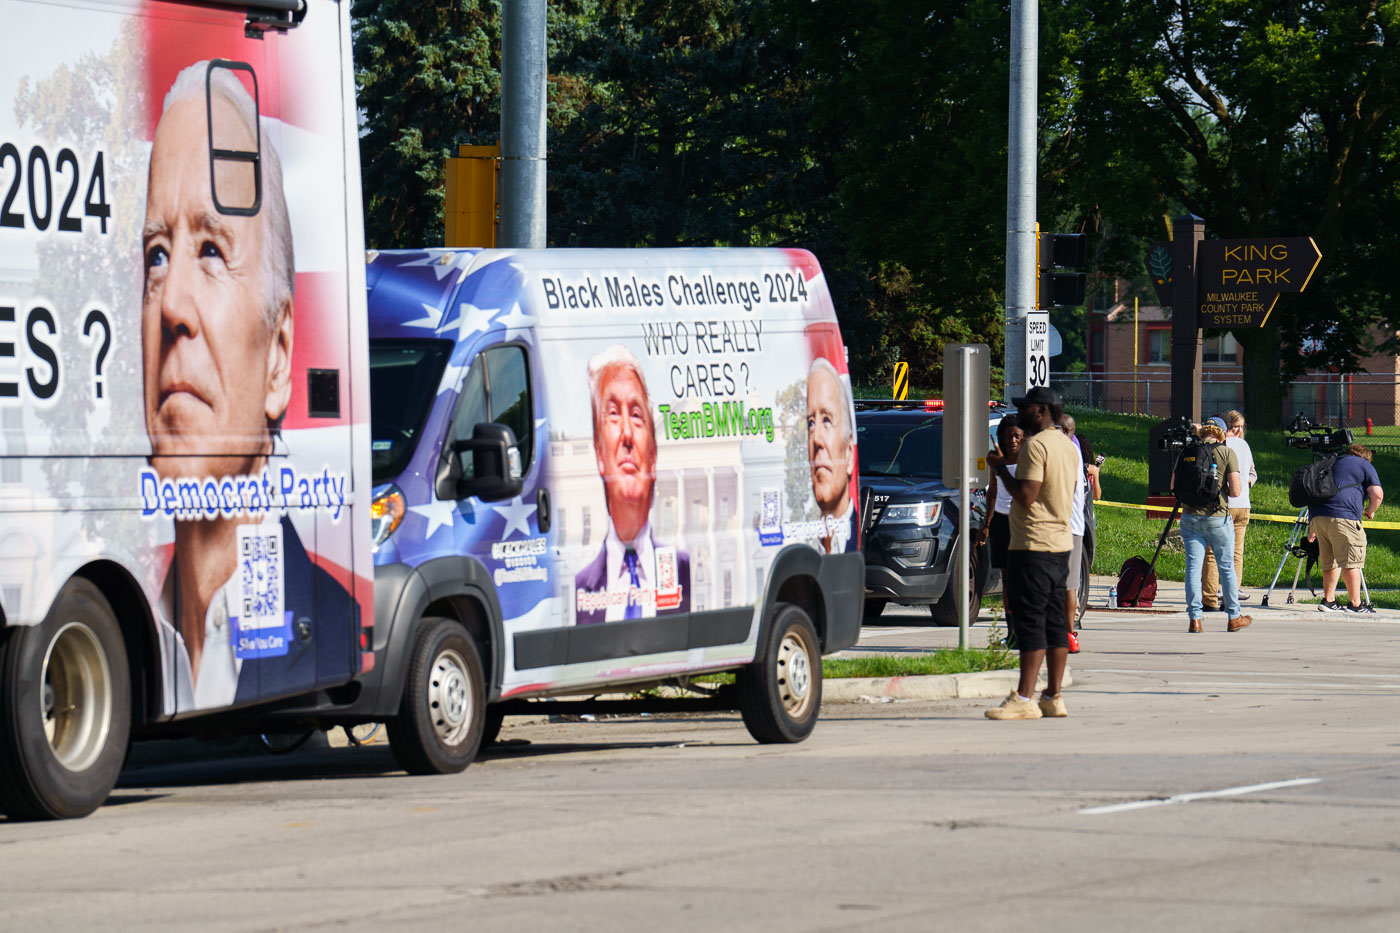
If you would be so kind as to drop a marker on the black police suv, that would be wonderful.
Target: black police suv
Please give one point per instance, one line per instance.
(911, 520)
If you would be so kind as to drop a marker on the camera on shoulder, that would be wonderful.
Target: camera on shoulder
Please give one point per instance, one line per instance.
(1304, 435)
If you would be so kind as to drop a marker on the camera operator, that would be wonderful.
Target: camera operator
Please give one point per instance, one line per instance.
(1239, 513)
(1209, 526)
(1336, 526)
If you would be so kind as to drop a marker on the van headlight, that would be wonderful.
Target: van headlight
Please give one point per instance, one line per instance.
(911, 513)
(385, 514)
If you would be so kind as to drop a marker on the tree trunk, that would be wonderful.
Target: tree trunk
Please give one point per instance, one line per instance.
(1263, 379)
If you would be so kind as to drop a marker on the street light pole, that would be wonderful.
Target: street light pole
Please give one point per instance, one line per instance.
(1020, 190)
(524, 68)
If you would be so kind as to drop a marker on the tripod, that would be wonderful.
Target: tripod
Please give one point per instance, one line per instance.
(1295, 546)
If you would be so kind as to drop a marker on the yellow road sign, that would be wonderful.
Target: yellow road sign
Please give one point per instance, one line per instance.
(901, 381)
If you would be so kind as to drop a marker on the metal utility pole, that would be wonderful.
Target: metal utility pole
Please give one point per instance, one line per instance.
(524, 66)
(1020, 190)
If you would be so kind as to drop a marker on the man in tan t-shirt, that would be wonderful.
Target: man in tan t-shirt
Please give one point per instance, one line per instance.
(1037, 563)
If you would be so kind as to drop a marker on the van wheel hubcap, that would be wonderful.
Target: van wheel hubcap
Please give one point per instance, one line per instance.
(795, 675)
(449, 697)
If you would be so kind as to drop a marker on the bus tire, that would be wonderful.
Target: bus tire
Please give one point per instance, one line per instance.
(439, 724)
(780, 693)
(65, 708)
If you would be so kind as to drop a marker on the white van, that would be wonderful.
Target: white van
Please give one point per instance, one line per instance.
(597, 468)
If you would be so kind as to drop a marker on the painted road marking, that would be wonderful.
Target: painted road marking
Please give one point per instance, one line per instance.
(1200, 795)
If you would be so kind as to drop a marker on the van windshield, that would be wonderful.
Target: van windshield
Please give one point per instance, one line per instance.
(403, 381)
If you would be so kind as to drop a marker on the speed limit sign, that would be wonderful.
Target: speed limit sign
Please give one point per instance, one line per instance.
(1037, 349)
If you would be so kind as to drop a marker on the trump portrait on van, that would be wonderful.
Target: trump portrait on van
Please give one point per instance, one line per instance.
(634, 576)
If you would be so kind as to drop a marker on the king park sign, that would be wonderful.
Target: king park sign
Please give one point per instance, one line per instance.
(1238, 281)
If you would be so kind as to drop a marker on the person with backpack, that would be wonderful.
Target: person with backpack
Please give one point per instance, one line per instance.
(1239, 513)
(1335, 522)
(1207, 473)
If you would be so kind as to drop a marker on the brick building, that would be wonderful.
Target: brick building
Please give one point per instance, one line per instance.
(1129, 369)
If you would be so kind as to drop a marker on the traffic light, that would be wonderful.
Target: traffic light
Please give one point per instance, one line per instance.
(1055, 251)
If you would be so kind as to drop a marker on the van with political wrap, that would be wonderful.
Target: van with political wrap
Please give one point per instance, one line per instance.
(598, 468)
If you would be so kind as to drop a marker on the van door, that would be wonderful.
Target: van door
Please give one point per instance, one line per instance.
(509, 537)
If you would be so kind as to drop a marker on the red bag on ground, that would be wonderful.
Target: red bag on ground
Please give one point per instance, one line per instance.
(1137, 584)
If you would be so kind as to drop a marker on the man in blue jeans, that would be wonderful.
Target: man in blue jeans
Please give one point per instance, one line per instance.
(1211, 527)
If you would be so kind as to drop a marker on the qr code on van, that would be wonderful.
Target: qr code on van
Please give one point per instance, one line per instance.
(260, 577)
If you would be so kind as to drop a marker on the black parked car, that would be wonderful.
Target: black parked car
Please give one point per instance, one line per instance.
(911, 519)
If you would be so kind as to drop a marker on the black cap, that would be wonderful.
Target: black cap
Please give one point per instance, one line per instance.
(1039, 395)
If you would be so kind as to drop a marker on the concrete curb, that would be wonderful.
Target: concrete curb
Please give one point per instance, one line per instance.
(979, 686)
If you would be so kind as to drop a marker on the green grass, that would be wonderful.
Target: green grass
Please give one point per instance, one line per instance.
(946, 661)
(1123, 532)
(943, 661)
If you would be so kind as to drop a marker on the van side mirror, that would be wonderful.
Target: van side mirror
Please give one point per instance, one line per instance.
(495, 463)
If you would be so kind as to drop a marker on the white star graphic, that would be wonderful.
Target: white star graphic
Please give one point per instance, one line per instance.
(516, 320)
(473, 319)
(432, 319)
(450, 377)
(516, 515)
(438, 514)
(442, 262)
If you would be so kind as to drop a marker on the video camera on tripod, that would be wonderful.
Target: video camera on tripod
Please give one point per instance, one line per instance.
(1174, 433)
(1325, 445)
(1318, 438)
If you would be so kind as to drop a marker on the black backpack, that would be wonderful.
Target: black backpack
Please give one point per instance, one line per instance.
(1313, 483)
(1196, 479)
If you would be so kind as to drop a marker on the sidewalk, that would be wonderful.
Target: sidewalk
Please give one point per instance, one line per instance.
(1171, 598)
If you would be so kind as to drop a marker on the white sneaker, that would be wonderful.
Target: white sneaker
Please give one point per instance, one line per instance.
(1013, 707)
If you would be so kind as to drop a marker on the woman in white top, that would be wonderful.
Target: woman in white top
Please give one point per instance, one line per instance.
(1239, 511)
(998, 529)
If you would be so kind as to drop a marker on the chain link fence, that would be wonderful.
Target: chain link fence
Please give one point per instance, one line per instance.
(1325, 398)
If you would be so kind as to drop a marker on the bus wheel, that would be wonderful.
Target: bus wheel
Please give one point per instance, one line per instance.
(439, 724)
(65, 708)
(780, 693)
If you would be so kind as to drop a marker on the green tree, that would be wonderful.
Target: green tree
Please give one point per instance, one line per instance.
(1266, 118)
(428, 79)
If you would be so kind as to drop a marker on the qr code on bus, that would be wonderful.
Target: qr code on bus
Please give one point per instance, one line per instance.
(769, 519)
(260, 577)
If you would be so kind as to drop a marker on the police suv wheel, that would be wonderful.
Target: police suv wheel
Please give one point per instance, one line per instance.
(780, 693)
(441, 716)
(65, 708)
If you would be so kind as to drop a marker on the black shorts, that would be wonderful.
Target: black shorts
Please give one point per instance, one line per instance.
(999, 539)
(1034, 588)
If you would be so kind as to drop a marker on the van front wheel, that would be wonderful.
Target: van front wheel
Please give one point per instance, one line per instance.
(439, 724)
(65, 708)
(780, 693)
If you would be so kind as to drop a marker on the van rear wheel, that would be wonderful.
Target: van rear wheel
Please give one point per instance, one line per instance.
(441, 715)
(65, 708)
(780, 693)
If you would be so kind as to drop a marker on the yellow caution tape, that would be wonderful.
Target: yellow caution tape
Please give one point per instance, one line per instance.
(1253, 516)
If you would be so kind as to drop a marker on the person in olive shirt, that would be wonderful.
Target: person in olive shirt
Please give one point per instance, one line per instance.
(1212, 527)
(1037, 563)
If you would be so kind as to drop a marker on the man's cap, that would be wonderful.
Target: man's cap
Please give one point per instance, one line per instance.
(1039, 395)
(1218, 422)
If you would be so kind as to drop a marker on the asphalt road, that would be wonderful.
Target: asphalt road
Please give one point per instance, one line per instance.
(1220, 781)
